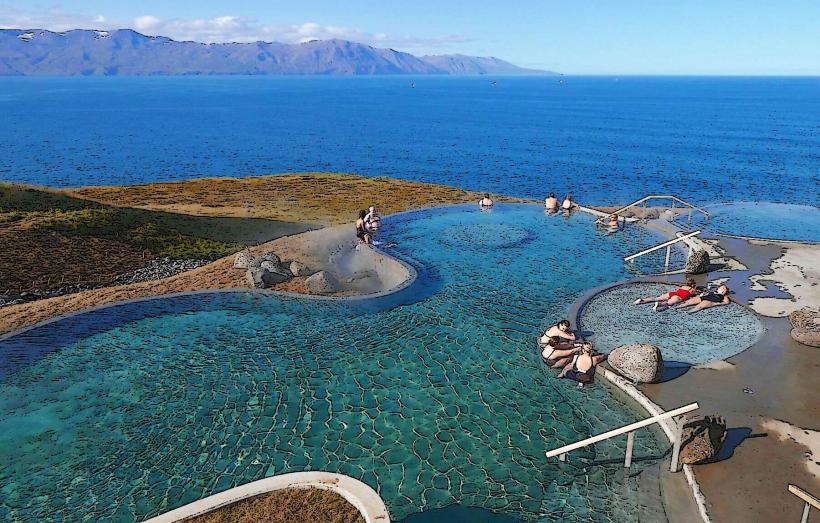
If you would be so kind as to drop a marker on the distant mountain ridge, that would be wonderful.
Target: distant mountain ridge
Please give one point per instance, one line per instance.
(29, 52)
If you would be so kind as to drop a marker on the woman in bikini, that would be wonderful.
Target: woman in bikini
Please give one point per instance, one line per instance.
(679, 295)
(556, 353)
(560, 330)
(708, 299)
(581, 367)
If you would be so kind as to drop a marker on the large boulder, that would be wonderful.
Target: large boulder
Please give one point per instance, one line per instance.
(265, 277)
(298, 268)
(242, 260)
(702, 438)
(323, 282)
(639, 362)
(698, 262)
(806, 326)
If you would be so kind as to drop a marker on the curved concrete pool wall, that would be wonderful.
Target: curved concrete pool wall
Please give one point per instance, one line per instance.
(358, 494)
(619, 384)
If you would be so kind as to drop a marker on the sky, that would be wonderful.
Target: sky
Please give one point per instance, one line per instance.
(717, 37)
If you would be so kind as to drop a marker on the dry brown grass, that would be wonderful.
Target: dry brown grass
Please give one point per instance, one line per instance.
(236, 208)
(320, 198)
(286, 506)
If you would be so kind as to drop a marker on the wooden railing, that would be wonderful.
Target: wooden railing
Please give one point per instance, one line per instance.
(808, 500)
(629, 430)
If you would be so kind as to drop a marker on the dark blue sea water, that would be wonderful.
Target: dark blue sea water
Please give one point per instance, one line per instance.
(606, 139)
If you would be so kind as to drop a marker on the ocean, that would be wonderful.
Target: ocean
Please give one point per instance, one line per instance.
(604, 139)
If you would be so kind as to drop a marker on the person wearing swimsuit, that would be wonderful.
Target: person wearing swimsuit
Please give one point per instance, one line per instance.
(551, 203)
(708, 299)
(561, 330)
(581, 367)
(556, 353)
(679, 295)
(361, 229)
(485, 203)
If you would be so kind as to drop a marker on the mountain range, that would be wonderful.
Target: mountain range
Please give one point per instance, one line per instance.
(25, 52)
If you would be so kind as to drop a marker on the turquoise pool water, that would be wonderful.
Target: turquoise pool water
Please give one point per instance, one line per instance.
(610, 320)
(433, 395)
(778, 221)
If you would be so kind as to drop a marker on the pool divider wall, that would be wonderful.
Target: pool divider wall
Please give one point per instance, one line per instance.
(615, 381)
(358, 494)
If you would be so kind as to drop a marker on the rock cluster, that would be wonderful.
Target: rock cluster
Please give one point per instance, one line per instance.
(157, 269)
(806, 326)
(267, 270)
(639, 362)
(698, 262)
(702, 438)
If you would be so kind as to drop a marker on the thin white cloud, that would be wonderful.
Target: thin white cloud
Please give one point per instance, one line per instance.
(222, 29)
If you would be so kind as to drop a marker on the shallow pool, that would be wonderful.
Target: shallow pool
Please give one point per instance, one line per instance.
(433, 395)
(778, 221)
(610, 319)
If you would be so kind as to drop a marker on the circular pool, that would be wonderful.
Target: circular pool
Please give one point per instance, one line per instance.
(610, 319)
(432, 395)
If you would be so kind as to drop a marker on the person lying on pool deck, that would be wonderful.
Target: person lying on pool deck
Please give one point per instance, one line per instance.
(581, 367)
(556, 353)
(559, 330)
(679, 295)
(486, 202)
(709, 298)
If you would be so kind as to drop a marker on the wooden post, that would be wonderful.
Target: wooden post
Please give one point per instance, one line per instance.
(630, 442)
(668, 254)
(562, 457)
(806, 508)
(676, 446)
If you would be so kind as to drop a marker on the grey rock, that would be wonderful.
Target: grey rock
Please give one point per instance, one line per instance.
(806, 326)
(639, 362)
(242, 260)
(263, 278)
(323, 282)
(298, 268)
(702, 438)
(698, 262)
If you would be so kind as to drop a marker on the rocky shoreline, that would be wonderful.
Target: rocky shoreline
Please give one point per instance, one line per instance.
(156, 269)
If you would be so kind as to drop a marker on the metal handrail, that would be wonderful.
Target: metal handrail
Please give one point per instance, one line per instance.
(561, 452)
(684, 238)
(809, 501)
(663, 197)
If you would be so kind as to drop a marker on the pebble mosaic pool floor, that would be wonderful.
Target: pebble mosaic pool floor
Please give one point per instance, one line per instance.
(610, 319)
(434, 395)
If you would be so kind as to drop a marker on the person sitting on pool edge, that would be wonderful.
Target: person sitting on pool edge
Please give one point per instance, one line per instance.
(561, 330)
(581, 367)
(551, 203)
(679, 295)
(556, 353)
(372, 223)
(707, 299)
(361, 228)
(486, 202)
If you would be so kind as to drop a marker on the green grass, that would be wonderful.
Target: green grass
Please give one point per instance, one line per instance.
(159, 233)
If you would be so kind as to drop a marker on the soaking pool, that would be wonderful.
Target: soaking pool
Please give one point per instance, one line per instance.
(433, 395)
